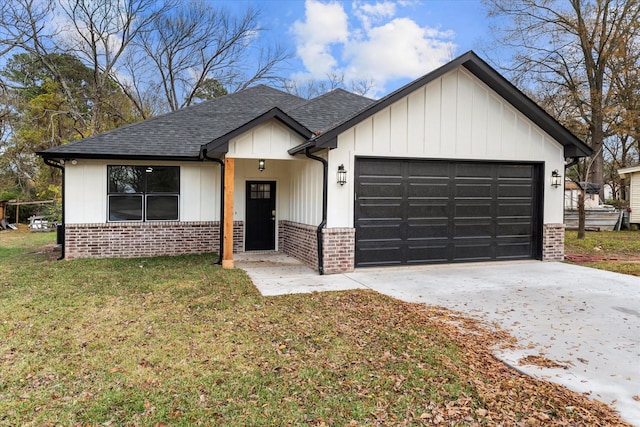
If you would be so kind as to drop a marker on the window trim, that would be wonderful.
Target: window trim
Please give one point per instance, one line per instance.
(144, 194)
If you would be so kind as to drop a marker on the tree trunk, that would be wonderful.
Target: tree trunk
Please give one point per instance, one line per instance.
(581, 215)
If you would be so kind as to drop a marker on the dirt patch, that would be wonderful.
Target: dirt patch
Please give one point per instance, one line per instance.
(582, 258)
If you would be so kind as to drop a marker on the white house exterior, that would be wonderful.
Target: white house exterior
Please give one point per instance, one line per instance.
(632, 178)
(454, 167)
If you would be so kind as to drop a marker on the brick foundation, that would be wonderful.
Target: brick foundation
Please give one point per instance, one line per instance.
(553, 242)
(145, 239)
(299, 241)
(339, 250)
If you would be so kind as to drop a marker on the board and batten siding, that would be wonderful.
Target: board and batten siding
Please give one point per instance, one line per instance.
(306, 192)
(86, 190)
(270, 140)
(454, 117)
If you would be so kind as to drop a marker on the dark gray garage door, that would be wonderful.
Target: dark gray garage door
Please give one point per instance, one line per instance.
(438, 211)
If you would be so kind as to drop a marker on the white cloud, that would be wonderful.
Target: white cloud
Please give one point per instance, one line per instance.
(369, 13)
(325, 25)
(398, 49)
(375, 44)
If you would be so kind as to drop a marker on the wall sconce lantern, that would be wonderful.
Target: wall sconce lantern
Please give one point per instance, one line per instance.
(556, 179)
(261, 164)
(342, 175)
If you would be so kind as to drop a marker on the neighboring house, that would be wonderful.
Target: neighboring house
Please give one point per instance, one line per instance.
(454, 167)
(572, 191)
(632, 180)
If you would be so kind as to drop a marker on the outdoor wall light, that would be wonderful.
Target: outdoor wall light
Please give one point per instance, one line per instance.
(342, 175)
(74, 162)
(261, 164)
(556, 179)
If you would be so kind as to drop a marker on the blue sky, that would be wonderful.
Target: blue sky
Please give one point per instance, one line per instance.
(387, 42)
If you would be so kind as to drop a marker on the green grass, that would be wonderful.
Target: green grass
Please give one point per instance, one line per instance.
(623, 245)
(179, 341)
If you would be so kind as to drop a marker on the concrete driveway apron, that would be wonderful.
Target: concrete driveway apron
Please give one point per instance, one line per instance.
(584, 319)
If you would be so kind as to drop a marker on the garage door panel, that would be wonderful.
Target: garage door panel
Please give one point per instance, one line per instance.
(513, 250)
(472, 210)
(381, 190)
(510, 210)
(515, 171)
(514, 229)
(422, 211)
(428, 254)
(472, 251)
(411, 211)
(473, 170)
(515, 190)
(427, 231)
(473, 229)
(428, 190)
(381, 168)
(378, 254)
(387, 211)
(427, 170)
(474, 190)
(379, 231)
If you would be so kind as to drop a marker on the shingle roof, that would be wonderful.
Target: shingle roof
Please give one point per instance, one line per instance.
(322, 113)
(180, 134)
(183, 133)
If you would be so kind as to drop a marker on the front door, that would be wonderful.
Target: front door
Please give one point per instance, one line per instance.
(261, 216)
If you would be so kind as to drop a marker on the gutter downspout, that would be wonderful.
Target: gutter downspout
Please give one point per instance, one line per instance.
(325, 168)
(59, 165)
(221, 163)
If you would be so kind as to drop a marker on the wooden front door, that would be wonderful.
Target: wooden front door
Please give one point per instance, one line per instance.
(261, 216)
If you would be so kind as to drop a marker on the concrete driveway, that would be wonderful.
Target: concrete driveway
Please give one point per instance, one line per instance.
(584, 319)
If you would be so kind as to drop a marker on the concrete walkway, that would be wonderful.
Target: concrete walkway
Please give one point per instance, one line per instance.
(584, 319)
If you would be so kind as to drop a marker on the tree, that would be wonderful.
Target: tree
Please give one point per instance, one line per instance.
(106, 63)
(571, 46)
(103, 31)
(199, 51)
(316, 87)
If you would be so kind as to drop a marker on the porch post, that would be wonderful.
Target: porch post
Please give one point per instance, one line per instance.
(227, 258)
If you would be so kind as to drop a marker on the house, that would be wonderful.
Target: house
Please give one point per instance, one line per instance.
(572, 192)
(456, 166)
(631, 176)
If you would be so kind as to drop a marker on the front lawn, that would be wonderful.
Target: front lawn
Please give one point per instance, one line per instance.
(617, 251)
(179, 341)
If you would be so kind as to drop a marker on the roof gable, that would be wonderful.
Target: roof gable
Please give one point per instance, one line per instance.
(573, 147)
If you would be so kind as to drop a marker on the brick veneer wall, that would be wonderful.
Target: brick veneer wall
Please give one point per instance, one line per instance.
(553, 242)
(299, 241)
(339, 250)
(142, 239)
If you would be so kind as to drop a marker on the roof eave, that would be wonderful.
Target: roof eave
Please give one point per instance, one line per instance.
(105, 156)
(331, 144)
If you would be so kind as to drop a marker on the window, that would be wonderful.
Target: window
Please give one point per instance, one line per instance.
(260, 191)
(143, 193)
